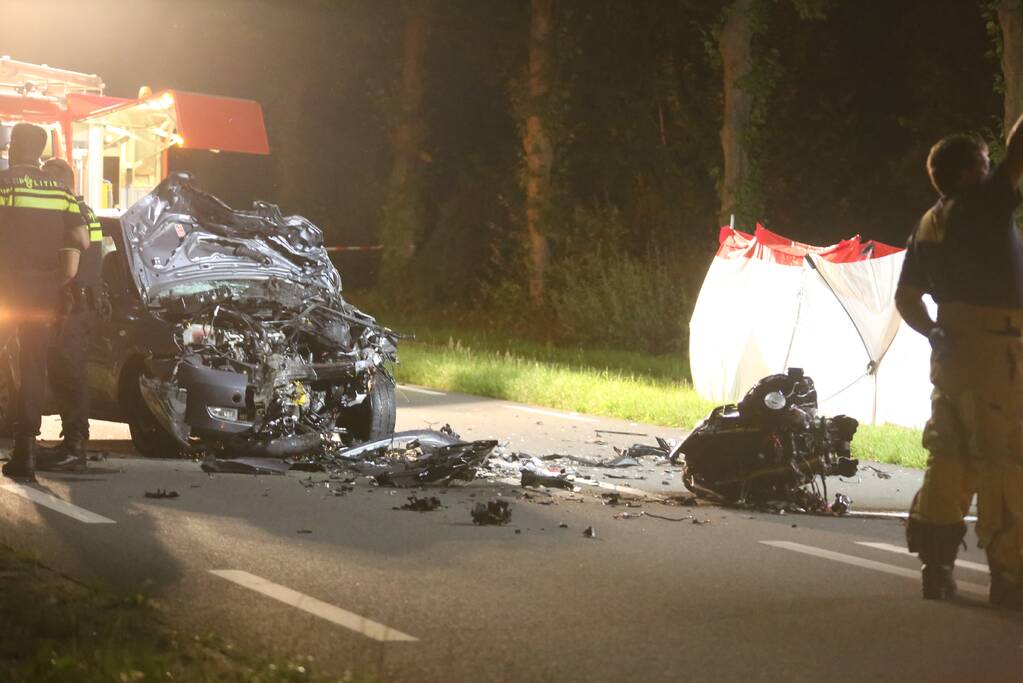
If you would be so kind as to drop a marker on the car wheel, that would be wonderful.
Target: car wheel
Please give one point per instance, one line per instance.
(374, 417)
(148, 436)
(7, 393)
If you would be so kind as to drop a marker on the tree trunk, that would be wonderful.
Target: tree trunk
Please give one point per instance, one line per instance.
(1010, 18)
(403, 212)
(537, 143)
(735, 46)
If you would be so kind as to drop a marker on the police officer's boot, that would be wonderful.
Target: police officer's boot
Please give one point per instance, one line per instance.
(937, 545)
(21, 466)
(70, 456)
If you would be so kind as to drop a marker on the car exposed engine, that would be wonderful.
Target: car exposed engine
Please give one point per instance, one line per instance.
(268, 358)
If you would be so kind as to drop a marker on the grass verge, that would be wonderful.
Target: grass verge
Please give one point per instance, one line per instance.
(621, 384)
(55, 630)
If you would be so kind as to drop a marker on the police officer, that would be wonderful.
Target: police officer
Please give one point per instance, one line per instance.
(967, 254)
(67, 355)
(43, 237)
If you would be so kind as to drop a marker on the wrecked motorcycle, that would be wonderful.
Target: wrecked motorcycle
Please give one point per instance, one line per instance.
(769, 447)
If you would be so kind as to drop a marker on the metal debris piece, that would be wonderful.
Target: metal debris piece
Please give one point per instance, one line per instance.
(672, 519)
(611, 431)
(161, 493)
(423, 504)
(446, 429)
(842, 504)
(622, 461)
(588, 462)
(531, 477)
(590, 532)
(495, 512)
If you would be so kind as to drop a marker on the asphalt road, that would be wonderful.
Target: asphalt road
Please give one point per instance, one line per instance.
(284, 565)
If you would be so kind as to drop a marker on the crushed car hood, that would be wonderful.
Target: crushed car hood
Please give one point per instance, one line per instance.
(178, 235)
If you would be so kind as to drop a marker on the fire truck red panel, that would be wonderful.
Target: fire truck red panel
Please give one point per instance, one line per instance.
(222, 123)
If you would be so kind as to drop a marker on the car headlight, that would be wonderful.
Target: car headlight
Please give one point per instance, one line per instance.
(218, 413)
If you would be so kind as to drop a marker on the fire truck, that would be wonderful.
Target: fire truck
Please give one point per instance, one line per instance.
(119, 147)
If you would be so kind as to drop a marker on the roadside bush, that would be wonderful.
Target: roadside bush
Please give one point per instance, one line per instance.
(643, 303)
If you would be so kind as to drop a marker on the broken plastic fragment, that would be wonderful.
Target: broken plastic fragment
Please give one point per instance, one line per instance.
(590, 532)
(423, 504)
(161, 493)
(842, 504)
(495, 512)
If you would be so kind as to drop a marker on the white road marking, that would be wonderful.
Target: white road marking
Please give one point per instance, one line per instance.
(963, 586)
(964, 564)
(418, 390)
(318, 608)
(551, 413)
(893, 514)
(46, 500)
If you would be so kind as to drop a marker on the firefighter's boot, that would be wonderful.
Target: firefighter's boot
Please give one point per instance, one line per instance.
(937, 546)
(68, 457)
(21, 466)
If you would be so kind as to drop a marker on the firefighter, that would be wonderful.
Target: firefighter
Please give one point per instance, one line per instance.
(44, 235)
(79, 299)
(967, 254)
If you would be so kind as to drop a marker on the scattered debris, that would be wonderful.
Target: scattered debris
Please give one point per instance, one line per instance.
(562, 526)
(611, 431)
(496, 512)
(423, 504)
(590, 532)
(878, 472)
(304, 531)
(770, 448)
(161, 493)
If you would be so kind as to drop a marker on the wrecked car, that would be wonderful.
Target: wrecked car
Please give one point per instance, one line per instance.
(226, 330)
(771, 446)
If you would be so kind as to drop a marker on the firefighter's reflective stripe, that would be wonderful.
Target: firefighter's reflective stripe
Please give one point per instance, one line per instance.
(95, 233)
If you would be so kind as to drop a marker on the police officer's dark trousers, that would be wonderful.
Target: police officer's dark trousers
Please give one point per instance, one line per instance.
(30, 299)
(67, 366)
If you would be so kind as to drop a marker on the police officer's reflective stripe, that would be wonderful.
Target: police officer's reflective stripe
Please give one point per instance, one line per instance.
(48, 200)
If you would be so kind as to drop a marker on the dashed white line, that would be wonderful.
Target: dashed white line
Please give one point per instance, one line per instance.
(420, 390)
(318, 608)
(50, 501)
(551, 413)
(964, 564)
(963, 586)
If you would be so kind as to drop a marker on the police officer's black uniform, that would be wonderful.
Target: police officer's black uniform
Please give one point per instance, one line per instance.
(79, 300)
(37, 217)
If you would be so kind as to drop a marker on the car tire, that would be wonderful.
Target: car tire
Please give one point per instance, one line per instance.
(374, 417)
(148, 436)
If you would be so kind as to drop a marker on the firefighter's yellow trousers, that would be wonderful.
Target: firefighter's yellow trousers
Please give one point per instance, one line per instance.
(975, 434)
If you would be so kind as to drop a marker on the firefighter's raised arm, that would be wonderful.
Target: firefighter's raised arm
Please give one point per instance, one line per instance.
(1013, 163)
